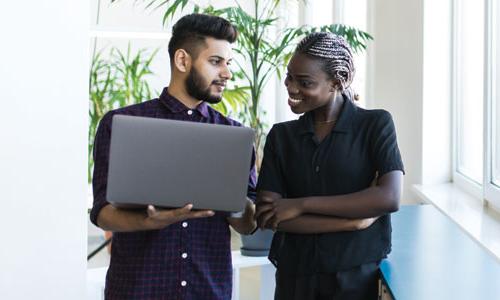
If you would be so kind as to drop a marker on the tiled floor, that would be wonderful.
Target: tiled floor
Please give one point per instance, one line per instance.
(249, 277)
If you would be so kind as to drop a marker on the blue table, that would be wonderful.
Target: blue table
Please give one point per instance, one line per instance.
(432, 258)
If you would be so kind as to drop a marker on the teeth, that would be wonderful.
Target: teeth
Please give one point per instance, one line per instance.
(294, 100)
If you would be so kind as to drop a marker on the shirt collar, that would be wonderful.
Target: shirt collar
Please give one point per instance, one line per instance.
(174, 105)
(344, 123)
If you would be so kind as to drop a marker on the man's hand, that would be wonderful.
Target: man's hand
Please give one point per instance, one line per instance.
(249, 213)
(246, 223)
(123, 220)
(161, 218)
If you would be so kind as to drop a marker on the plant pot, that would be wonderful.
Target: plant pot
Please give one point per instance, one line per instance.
(257, 244)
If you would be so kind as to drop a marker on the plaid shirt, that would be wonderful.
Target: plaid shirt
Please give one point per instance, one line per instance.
(187, 260)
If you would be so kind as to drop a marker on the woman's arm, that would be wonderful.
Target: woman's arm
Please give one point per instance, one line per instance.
(308, 224)
(376, 200)
(371, 202)
(305, 223)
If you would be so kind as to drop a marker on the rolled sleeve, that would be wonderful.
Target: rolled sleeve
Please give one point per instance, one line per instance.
(385, 147)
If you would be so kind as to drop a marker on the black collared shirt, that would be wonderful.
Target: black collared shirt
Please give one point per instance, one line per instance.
(295, 164)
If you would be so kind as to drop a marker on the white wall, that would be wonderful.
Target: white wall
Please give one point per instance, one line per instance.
(395, 76)
(436, 144)
(43, 134)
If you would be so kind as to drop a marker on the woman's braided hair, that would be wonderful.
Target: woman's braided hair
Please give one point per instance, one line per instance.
(336, 56)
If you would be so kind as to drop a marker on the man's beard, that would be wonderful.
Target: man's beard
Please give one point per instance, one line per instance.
(194, 87)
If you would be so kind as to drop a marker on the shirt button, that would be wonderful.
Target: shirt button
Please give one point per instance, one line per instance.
(184, 255)
(190, 112)
(184, 283)
(184, 224)
(317, 169)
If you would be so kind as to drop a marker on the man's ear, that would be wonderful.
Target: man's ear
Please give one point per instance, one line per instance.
(182, 60)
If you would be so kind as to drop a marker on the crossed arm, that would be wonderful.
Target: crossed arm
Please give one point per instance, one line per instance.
(330, 213)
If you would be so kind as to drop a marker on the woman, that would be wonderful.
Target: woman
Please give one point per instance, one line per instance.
(315, 186)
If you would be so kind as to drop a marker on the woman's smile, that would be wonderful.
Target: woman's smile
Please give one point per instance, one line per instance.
(294, 102)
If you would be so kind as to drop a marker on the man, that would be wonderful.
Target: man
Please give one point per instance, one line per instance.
(178, 253)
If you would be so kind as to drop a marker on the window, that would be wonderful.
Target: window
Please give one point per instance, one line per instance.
(468, 89)
(492, 165)
(355, 15)
(476, 97)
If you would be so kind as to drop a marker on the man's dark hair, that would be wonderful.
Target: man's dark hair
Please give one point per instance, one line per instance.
(191, 31)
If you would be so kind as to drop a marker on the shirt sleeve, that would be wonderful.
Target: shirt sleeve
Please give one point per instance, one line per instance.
(385, 149)
(270, 176)
(101, 162)
(252, 186)
(252, 179)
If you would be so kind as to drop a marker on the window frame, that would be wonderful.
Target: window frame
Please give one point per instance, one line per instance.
(458, 178)
(492, 98)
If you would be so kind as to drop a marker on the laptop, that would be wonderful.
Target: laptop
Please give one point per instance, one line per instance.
(170, 163)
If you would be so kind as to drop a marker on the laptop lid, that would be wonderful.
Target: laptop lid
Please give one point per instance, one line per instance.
(170, 163)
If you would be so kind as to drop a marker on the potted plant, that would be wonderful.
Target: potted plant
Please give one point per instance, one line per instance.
(115, 80)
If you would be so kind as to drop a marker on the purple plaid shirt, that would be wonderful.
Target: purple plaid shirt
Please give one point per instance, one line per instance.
(187, 260)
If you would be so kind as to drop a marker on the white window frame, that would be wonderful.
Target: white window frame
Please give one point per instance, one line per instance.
(492, 96)
(459, 179)
(487, 191)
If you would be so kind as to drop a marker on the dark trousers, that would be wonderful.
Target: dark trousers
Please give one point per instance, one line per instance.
(360, 283)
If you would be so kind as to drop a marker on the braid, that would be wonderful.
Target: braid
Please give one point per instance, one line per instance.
(336, 54)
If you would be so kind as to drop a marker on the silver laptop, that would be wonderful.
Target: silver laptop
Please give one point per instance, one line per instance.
(170, 163)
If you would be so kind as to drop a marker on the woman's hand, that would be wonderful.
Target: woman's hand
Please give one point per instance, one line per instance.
(270, 212)
(360, 224)
(265, 207)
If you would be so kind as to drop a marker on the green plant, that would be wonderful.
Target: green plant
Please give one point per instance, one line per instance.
(119, 79)
(264, 53)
